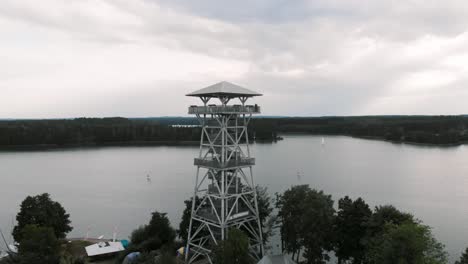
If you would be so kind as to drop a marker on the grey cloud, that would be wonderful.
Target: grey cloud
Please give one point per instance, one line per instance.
(332, 57)
(270, 11)
(75, 22)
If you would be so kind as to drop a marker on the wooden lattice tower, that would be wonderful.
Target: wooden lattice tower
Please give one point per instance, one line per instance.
(224, 195)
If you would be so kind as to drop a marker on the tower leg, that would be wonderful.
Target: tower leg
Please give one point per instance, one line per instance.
(194, 199)
(260, 231)
(226, 197)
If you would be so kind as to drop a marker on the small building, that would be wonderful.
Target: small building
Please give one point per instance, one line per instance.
(104, 249)
(276, 259)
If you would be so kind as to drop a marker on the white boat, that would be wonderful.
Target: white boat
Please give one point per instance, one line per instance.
(13, 248)
(323, 141)
(3, 254)
(104, 248)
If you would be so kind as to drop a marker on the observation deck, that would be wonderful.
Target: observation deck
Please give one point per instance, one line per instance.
(231, 164)
(224, 109)
(209, 215)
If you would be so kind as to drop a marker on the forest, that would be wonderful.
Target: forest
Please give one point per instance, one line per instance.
(312, 230)
(91, 131)
(437, 130)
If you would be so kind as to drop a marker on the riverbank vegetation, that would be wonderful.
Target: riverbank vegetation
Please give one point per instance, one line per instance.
(90, 132)
(437, 130)
(155, 242)
(312, 230)
(40, 231)
(233, 250)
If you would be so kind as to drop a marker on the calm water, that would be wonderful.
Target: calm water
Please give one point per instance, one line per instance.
(104, 188)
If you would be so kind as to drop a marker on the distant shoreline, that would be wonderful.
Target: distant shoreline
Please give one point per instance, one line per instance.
(91, 145)
(187, 143)
(441, 131)
(410, 142)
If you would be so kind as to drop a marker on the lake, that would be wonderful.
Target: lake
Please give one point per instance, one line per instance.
(107, 188)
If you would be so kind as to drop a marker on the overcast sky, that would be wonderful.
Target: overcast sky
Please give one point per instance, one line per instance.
(137, 58)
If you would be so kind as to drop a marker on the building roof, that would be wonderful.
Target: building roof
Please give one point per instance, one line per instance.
(224, 89)
(278, 259)
(103, 248)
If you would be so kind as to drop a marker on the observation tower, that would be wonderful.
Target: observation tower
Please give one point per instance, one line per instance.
(225, 195)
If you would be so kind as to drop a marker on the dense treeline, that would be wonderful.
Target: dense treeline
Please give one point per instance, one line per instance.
(416, 129)
(90, 131)
(312, 231)
(101, 131)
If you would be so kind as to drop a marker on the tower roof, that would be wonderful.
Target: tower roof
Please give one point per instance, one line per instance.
(224, 89)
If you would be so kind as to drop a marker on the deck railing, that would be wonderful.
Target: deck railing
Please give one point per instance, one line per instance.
(207, 214)
(224, 109)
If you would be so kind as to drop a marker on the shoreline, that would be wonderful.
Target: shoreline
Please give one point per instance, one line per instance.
(412, 142)
(189, 143)
(380, 139)
(41, 147)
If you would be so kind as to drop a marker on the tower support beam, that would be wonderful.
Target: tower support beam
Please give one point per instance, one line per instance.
(224, 194)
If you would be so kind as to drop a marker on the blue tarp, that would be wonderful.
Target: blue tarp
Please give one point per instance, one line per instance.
(124, 243)
(131, 258)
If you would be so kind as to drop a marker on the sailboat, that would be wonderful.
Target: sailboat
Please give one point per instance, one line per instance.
(299, 176)
(323, 141)
(11, 249)
(106, 248)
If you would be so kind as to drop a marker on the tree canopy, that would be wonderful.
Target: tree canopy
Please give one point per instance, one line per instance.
(233, 250)
(406, 243)
(310, 229)
(350, 229)
(185, 221)
(38, 244)
(387, 214)
(93, 131)
(42, 211)
(464, 258)
(86, 131)
(265, 208)
(154, 235)
(307, 223)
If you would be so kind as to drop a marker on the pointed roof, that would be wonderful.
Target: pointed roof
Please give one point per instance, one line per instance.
(224, 89)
